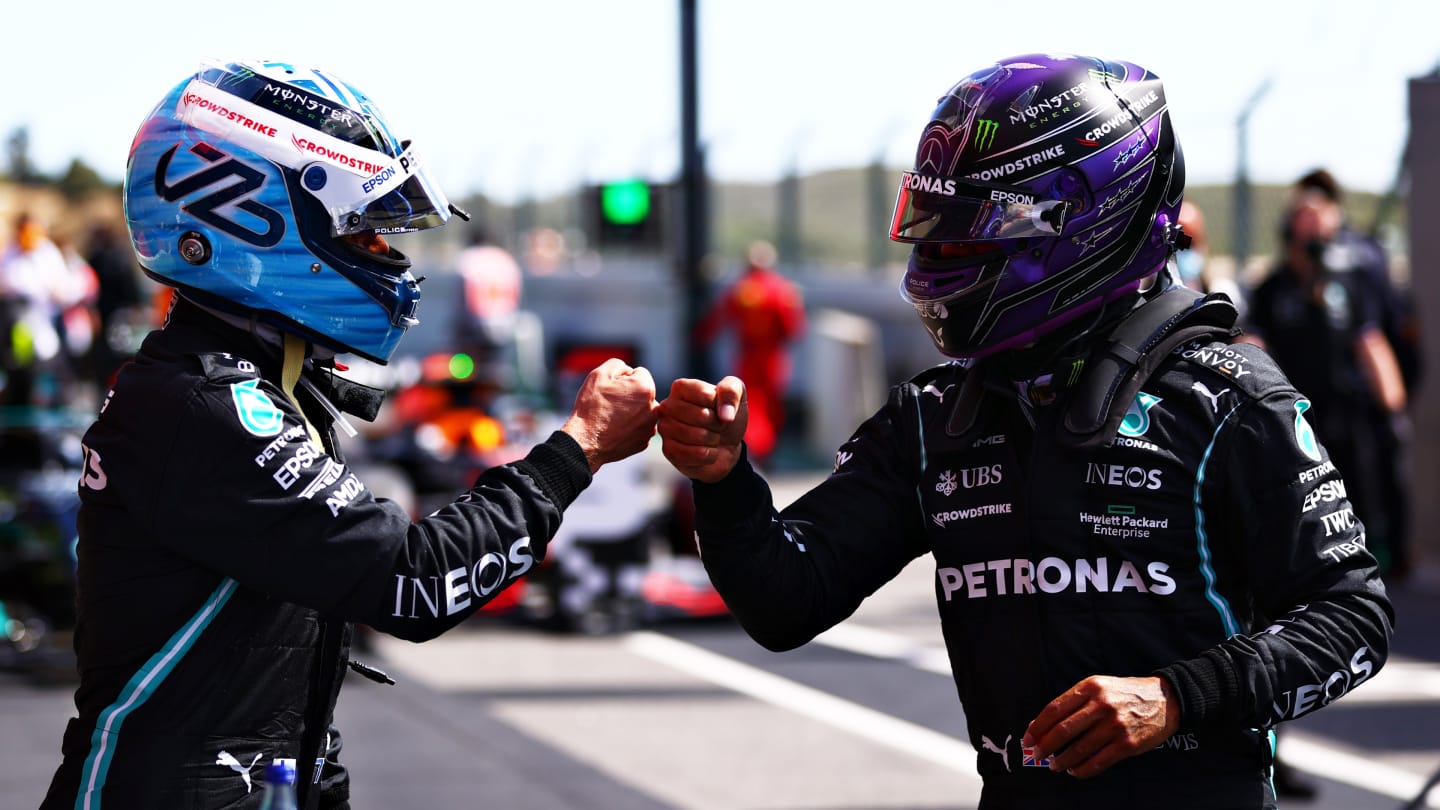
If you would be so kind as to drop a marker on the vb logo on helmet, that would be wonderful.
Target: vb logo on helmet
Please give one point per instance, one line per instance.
(204, 208)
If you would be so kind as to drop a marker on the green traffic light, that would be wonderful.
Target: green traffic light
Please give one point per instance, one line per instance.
(461, 366)
(625, 202)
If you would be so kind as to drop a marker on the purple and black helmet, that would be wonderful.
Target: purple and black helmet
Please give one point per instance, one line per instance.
(1044, 186)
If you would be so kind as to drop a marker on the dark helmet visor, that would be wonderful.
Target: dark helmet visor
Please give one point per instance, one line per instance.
(934, 208)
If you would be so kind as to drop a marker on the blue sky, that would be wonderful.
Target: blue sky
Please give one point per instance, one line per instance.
(526, 97)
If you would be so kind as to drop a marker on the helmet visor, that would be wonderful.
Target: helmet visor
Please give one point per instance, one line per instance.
(935, 208)
(399, 197)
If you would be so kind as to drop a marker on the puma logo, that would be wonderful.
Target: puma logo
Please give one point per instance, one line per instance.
(1214, 398)
(228, 760)
(998, 749)
(938, 392)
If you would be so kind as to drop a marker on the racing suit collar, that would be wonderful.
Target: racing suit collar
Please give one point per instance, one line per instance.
(336, 394)
(1040, 374)
(272, 338)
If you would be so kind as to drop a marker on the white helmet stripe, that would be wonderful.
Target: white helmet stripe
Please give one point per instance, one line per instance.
(265, 132)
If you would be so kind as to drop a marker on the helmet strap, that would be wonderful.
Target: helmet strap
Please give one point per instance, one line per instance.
(1114, 370)
(1125, 360)
(290, 370)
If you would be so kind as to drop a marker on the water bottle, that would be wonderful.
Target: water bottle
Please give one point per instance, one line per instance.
(280, 786)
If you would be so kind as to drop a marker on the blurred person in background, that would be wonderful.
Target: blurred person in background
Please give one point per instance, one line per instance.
(119, 302)
(1351, 247)
(225, 547)
(1321, 316)
(1401, 325)
(1193, 264)
(78, 323)
(767, 314)
(1124, 626)
(35, 286)
(493, 284)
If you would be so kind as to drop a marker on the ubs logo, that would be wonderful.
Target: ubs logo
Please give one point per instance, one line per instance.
(969, 478)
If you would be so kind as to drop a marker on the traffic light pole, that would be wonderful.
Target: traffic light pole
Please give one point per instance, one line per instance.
(694, 220)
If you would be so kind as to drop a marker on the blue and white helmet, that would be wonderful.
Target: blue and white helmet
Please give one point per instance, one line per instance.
(265, 188)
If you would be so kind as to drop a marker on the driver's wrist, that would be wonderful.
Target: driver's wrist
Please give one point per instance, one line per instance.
(577, 429)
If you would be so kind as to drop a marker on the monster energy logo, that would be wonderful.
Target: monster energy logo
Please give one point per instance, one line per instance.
(985, 134)
(1103, 76)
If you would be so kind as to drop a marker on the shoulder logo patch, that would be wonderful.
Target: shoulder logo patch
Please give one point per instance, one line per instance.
(1137, 418)
(1304, 434)
(256, 410)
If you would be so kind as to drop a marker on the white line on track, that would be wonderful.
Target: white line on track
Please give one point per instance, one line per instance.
(1400, 680)
(867, 641)
(918, 741)
(1306, 753)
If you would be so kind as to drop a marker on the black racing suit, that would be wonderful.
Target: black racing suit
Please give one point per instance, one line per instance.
(222, 556)
(1211, 542)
